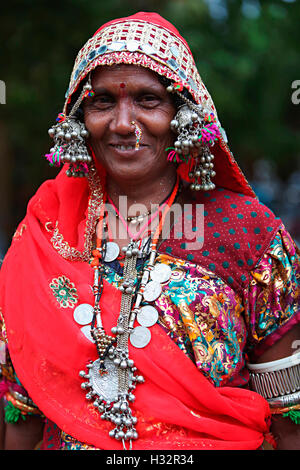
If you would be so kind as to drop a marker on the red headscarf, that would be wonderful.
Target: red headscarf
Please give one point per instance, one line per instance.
(151, 27)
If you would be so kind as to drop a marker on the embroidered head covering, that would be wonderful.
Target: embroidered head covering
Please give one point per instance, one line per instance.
(148, 40)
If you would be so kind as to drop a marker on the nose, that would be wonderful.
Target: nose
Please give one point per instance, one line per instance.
(122, 121)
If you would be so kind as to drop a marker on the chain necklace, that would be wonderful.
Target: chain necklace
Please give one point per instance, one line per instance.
(112, 378)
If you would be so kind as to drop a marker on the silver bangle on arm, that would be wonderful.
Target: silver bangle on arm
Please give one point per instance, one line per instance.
(277, 381)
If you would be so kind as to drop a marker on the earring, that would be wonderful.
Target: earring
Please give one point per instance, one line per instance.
(69, 136)
(197, 131)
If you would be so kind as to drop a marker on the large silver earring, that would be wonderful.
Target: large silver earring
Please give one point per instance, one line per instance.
(69, 136)
(197, 131)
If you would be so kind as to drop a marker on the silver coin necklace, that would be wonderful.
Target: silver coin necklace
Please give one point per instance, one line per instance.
(111, 379)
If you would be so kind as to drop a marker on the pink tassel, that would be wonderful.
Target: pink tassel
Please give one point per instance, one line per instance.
(54, 158)
(7, 385)
(4, 388)
(172, 156)
(209, 134)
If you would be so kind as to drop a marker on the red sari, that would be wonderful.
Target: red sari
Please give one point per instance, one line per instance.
(177, 407)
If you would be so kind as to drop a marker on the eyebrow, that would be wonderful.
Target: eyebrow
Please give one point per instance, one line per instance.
(116, 89)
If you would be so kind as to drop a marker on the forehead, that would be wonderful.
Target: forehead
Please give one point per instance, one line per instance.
(130, 75)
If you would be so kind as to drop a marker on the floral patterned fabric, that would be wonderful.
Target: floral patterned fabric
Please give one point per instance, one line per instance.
(216, 327)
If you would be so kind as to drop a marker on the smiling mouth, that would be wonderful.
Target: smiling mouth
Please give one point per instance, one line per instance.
(125, 148)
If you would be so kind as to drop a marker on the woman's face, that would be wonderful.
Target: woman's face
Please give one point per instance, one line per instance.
(126, 93)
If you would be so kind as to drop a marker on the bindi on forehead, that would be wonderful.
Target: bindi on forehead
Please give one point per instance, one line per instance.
(122, 89)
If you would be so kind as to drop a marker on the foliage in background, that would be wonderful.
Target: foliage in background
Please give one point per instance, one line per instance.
(247, 53)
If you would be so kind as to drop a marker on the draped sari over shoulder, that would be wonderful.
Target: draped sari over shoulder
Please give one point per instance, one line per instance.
(177, 406)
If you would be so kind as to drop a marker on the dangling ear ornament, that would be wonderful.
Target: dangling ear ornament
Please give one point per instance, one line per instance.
(197, 130)
(69, 136)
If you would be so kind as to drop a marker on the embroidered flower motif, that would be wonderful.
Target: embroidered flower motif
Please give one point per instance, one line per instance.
(64, 291)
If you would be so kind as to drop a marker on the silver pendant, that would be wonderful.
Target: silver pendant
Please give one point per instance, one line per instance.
(112, 252)
(152, 291)
(140, 337)
(161, 273)
(106, 385)
(147, 316)
(83, 314)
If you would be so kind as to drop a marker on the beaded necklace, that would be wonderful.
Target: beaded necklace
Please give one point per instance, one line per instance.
(112, 378)
(142, 217)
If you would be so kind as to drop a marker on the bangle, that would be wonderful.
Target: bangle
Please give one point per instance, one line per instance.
(285, 400)
(281, 411)
(19, 397)
(24, 409)
(277, 381)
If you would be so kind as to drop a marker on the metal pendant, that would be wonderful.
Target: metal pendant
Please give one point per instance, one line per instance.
(140, 337)
(152, 291)
(161, 273)
(147, 316)
(112, 252)
(83, 314)
(105, 385)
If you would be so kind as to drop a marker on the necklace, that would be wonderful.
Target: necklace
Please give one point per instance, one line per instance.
(112, 378)
(139, 218)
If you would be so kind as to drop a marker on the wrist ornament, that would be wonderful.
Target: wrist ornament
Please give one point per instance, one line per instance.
(277, 381)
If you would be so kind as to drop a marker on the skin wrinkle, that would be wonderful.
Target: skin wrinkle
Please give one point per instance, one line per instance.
(144, 176)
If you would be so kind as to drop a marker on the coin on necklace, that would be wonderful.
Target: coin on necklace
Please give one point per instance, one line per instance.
(86, 330)
(147, 316)
(161, 273)
(112, 252)
(152, 291)
(140, 337)
(83, 314)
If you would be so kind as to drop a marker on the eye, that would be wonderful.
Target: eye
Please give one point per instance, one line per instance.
(149, 100)
(102, 101)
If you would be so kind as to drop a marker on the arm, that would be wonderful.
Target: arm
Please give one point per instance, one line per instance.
(285, 431)
(24, 435)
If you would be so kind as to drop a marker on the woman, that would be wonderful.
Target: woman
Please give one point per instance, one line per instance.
(135, 323)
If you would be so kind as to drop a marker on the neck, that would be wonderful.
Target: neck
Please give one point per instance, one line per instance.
(152, 192)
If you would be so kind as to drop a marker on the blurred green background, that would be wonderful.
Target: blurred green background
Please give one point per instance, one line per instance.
(247, 52)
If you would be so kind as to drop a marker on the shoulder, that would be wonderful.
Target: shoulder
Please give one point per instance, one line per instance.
(231, 233)
(237, 214)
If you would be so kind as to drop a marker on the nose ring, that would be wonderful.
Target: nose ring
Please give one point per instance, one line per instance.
(138, 134)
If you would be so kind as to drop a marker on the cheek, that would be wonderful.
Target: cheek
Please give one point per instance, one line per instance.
(94, 125)
(159, 126)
